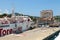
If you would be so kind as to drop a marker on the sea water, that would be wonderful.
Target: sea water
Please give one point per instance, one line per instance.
(54, 36)
(58, 37)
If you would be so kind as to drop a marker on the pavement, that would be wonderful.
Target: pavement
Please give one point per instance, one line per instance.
(35, 34)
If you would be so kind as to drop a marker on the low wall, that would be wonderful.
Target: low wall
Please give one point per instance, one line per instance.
(52, 36)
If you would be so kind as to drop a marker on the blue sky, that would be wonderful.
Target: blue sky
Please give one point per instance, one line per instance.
(31, 7)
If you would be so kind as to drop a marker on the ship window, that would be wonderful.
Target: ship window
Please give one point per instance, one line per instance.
(13, 22)
(21, 21)
(28, 19)
(4, 26)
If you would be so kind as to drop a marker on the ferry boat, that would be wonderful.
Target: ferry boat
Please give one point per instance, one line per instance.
(15, 24)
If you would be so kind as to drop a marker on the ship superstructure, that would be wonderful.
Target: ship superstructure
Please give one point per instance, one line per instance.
(15, 24)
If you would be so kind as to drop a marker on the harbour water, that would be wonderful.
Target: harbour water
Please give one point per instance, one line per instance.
(54, 36)
(58, 37)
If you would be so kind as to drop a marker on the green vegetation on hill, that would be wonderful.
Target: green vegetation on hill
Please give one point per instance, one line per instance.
(34, 18)
(57, 18)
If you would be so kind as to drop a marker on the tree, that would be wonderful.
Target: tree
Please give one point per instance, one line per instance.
(57, 18)
(1, 16)
(9, 15)
(4, 15)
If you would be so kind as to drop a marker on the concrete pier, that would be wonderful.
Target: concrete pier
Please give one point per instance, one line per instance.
(35, 34)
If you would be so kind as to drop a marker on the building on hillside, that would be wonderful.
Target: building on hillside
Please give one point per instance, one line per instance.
(46, 14)
(46, 17)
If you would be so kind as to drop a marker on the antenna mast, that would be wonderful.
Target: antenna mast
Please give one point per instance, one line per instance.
(13, 13)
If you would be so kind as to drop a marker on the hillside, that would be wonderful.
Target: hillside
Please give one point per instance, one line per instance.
(18, 14)
(57, 18)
